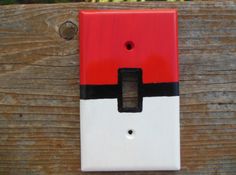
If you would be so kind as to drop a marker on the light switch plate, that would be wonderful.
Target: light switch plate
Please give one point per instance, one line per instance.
(113, 45)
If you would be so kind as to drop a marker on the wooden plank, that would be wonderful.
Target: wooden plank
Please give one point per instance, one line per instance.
(39, 91)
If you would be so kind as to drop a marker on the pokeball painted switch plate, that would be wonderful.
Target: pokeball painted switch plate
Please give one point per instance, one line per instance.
(114, 46)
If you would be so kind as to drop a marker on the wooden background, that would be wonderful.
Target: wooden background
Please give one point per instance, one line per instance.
(39, 90)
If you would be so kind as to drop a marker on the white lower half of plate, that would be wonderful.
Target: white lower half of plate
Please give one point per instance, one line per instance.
(106, 144)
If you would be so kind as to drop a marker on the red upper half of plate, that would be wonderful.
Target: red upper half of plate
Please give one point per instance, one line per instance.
(103, 38)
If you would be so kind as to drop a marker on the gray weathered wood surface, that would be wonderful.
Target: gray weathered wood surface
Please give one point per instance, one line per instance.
(39, 91)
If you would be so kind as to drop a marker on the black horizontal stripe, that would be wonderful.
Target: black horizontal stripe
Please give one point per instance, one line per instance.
(113, 91)
(160, 89)
(98, 91)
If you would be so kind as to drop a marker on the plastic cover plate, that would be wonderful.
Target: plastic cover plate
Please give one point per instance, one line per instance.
(146, 139)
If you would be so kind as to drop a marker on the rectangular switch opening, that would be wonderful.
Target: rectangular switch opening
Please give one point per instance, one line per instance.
(130, 99)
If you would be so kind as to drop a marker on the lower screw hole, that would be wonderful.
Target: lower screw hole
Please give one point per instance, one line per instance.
(130, 132)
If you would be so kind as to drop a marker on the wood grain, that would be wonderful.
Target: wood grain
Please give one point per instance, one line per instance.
(39, 91)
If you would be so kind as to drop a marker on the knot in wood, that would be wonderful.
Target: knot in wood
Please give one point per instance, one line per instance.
(68, 30)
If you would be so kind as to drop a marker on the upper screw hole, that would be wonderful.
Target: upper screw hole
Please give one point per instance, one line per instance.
(129, 45)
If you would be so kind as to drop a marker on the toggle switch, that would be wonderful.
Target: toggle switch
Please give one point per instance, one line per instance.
(129, 90)
(130, 99)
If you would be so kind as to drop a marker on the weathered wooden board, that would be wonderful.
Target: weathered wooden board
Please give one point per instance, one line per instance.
(39, 91)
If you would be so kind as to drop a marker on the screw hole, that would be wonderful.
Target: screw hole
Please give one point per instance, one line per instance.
(129, 45)
(130, 132)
